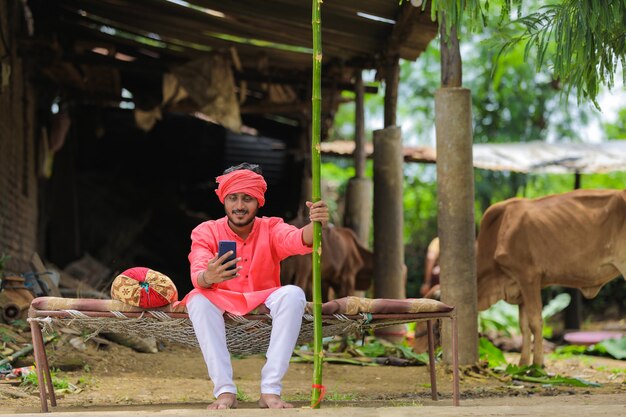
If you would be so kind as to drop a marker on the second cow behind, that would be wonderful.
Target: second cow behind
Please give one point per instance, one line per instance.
(346, 265)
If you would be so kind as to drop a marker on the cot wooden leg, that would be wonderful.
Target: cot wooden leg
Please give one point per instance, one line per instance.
(455, 362)
(431, 360)
(37, 339)
(46, 368)
(44, 378)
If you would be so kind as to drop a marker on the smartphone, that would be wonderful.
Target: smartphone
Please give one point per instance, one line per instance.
(225, 246)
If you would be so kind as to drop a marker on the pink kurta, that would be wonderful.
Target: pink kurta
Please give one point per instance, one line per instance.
(270, 241)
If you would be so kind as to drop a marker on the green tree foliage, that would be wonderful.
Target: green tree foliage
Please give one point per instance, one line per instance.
(511, 102)
(581, 41)
(617, 130)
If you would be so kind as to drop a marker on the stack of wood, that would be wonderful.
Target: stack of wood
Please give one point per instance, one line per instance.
(14, 344)
(92, 275)
(84, 278)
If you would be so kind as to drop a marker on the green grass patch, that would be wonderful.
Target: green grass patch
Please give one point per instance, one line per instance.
(336, 396)
(60, 384)
(242, 396)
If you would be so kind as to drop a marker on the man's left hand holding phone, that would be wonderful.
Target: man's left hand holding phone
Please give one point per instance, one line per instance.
(223, 267)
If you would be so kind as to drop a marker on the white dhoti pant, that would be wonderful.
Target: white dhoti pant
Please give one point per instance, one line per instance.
(286, 306)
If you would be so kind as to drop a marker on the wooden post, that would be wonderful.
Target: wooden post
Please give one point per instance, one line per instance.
(455, 183)
(359, 126)
(392, 79)
(358, 210)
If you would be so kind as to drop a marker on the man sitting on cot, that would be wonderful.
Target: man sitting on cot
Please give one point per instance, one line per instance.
(261, 243)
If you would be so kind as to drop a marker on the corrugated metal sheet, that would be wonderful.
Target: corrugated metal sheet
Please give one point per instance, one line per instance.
(345, 149)
(529, 157)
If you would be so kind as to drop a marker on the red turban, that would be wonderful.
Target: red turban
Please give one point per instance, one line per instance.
(242, 181)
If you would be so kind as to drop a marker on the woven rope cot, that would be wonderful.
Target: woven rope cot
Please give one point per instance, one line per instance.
(245, 335)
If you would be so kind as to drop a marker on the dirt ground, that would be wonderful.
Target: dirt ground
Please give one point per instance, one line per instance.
(118, 378)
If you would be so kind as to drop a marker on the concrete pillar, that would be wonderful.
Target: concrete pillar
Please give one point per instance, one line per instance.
(389, 273)
(388, 214)
(455, 183)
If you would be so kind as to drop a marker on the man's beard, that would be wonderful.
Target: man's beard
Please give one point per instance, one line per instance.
(240, 223)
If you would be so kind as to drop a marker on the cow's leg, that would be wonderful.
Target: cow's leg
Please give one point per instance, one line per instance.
(536, 327)
(347, 285)
(325, 291)
(531, 307)
(526, 336)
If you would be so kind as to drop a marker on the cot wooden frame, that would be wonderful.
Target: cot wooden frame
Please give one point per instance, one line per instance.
(38, 318)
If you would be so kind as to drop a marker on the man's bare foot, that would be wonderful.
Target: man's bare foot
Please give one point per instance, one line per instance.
(224, 401)
(273, 401)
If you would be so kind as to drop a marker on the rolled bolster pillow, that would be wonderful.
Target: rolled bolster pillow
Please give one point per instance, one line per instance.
(144, 287)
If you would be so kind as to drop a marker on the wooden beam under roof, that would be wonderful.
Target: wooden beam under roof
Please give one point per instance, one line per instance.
(345, 149)
(412, 32)
(348, 35)
(249, 54)
(158, 66)
(189, 24)
(349, 39)
(296, 14)
(88, 28)
(379, 8)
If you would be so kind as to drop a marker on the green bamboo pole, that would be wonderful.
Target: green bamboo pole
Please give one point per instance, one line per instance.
(316, 101)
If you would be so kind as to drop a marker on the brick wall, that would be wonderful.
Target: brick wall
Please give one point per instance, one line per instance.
(18, 173)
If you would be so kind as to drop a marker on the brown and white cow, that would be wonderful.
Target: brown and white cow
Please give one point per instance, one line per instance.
(346, 265)
(575, 239)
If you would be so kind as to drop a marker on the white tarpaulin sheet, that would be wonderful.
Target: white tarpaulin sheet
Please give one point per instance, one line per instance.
(530, 157)
(558, 158)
